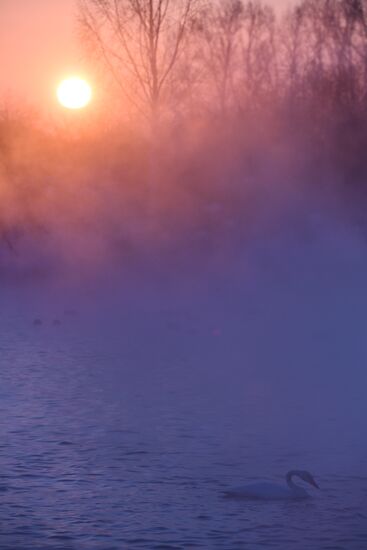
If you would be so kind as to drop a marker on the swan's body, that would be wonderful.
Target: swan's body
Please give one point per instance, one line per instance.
(273, 491)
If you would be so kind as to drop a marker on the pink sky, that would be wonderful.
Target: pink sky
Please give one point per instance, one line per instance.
(38, 47)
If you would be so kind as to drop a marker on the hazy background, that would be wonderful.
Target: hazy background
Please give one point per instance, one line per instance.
(38, 47)
(183, 279)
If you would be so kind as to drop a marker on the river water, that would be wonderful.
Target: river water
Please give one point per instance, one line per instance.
(122, 425)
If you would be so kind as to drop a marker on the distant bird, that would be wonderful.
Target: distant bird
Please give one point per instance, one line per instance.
(37, 322)
(273, 491)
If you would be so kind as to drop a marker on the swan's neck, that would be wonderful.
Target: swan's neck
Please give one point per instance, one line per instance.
(289, 479)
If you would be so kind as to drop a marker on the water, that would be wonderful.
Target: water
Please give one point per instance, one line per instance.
(123, 426)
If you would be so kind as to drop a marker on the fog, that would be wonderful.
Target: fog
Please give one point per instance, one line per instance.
(182, 285)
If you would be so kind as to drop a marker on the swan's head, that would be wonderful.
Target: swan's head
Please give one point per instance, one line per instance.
(308, 478)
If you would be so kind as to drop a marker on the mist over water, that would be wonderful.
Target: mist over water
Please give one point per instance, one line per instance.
(123, 425)
(182, 285)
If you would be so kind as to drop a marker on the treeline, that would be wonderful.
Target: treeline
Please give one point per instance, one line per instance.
(191, 56)
(210, 111)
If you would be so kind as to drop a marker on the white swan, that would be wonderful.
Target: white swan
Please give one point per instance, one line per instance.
(272, 491)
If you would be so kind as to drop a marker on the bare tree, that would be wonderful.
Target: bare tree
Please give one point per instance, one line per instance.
(139, 42)
(323, 38)
(292, 52)
(259, 60)
(218, 28)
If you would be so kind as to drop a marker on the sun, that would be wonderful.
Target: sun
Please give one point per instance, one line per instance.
(74, 93)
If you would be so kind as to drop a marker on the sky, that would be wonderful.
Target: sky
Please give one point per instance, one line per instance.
(38, 48)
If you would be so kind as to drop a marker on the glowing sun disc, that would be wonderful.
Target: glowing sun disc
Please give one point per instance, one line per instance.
(74, 93)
